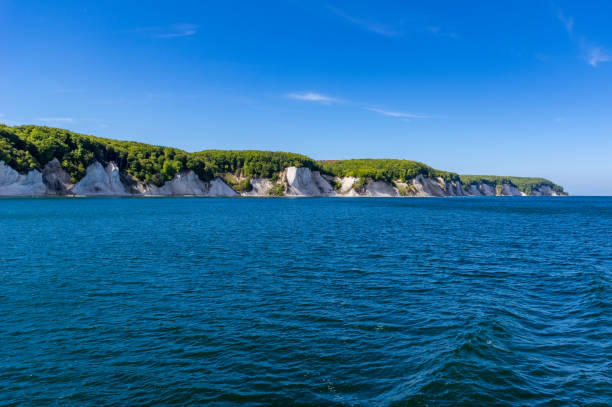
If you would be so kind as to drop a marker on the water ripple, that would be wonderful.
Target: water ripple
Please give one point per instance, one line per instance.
(388, 302)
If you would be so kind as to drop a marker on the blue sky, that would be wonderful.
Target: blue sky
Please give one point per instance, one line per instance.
(483, 87)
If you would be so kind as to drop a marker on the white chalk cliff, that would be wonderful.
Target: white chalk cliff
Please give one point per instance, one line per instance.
(304, 182)
(101, 181)
(293, 181)
(380, 188)
(13, 183)
(186, 183)
(260, 187)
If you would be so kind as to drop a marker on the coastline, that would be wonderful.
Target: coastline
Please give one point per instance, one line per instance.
(109, 181)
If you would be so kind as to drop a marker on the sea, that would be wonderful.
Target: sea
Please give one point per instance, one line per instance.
(479, 301)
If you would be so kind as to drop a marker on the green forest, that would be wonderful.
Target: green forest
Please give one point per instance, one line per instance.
(524, 184)
(383, 169)
(30, 147)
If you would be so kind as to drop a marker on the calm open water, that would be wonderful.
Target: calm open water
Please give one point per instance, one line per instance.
(368, 302)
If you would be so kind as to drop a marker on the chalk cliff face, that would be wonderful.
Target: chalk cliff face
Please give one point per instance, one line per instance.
(293, 181)
(57, 181)
(218, 187)
(511, 190)
(544, 190)
(427, 186)
(186, 183)
(347, 186)
(14, 184)
(101, 181)
(260, 187)
(304, 182)
(482, 189)
(380, 188)
(455, 188)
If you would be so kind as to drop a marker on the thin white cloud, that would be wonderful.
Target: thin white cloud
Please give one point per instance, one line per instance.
(388, 31)
(368, 25)
(596, 55)
(169, 31)
(568, 22)
(439, 32)
(56, 119)
(402, 115)
(314, 97)
(178, 30)
(592, 54)
(327, 100)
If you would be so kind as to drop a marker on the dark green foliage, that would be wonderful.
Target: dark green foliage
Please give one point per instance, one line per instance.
(28, 147)
(524, 184)
(15, 151)
(335, 184)
(383, 169)
(253, 163)
(277, 190)
(238, 185)
(360, 184)
(244, 186)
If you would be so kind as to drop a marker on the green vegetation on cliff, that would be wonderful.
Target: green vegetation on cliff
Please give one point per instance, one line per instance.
(30, 147)
(389, 170)
(252, 163)
(524, 184)
(383, 169)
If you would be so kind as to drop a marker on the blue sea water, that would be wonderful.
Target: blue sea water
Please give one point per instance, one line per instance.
(365, 302)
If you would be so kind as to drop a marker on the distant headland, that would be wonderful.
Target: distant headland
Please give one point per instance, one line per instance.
(45, 161)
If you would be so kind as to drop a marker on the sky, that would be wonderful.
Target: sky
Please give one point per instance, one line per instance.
(518, 88)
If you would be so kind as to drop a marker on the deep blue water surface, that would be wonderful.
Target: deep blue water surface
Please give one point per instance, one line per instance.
(367, 302)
